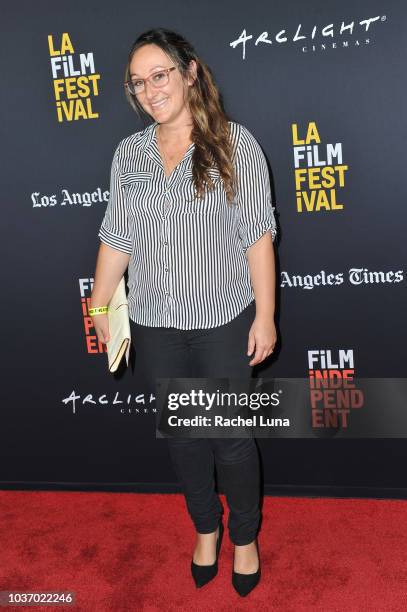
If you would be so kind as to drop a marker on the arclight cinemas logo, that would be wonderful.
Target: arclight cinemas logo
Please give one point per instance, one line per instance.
(312, 37)
(333, 392)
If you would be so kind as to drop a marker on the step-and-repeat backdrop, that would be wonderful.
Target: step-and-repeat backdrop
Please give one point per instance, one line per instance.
(322, 88)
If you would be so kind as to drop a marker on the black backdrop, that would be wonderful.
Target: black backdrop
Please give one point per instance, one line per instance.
(350, 84)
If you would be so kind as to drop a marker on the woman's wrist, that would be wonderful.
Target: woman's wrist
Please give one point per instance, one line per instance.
(96, 301)
(98, 310)
(265, 313)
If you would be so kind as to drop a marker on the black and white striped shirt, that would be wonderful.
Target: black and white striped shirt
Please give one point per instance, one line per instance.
(188, 267)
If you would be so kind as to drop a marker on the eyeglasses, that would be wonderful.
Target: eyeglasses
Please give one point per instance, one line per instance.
(157, 80)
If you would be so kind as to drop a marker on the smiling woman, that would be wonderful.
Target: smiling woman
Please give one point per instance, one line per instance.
(190, 214)
(164, 81)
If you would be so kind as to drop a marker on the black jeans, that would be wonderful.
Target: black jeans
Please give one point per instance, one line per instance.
(218, 352)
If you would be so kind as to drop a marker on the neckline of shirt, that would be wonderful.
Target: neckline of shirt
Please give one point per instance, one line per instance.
(151, 138)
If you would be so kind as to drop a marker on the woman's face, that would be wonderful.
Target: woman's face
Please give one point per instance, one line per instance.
(166, 103)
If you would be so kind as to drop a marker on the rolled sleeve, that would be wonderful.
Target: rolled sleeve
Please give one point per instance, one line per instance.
(253, 198)
(114, 230)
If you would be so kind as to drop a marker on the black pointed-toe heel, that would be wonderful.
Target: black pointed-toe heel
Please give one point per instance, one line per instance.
(202, 574)
(244, 583)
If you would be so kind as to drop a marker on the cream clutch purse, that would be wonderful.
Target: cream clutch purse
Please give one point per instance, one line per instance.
(119, 327)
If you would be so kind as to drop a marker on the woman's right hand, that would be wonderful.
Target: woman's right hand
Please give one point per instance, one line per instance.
(101, 324)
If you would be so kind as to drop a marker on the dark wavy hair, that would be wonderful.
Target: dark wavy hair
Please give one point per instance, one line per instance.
(210, 130)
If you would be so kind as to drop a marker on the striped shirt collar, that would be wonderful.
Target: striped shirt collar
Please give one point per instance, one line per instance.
(148, 142)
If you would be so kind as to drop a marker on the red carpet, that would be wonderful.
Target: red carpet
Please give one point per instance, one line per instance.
(124, 551)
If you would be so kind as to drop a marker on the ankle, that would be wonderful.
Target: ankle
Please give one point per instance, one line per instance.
(246, 558)
(205, 547)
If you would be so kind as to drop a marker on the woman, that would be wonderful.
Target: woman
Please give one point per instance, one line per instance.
(190, 214)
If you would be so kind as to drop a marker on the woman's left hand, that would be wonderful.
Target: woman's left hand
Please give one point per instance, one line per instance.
(262, 337)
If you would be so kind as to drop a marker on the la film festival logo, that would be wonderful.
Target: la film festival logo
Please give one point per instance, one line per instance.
(318, 171)
(74, 79)
(333, 391)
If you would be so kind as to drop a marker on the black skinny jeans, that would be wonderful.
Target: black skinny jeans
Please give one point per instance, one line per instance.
(218, 352)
